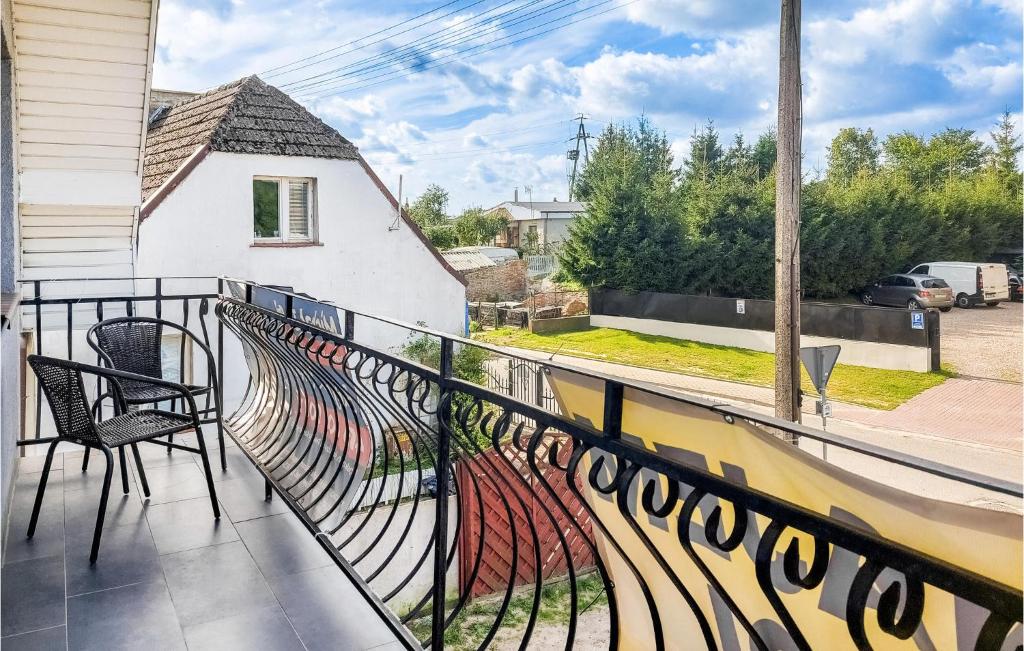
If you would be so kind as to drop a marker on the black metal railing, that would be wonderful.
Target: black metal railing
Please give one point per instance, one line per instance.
(60, 311)
(470, 518)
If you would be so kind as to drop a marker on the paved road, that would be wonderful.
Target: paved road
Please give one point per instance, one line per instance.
(965, 435)
(984, 342)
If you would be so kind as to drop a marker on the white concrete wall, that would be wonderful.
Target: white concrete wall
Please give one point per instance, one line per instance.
(856, 353)
(549, 231)
(408, 553)
(205, 227)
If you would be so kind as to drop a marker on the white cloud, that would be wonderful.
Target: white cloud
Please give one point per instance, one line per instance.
(349, 110)
(901, 31)
(984, 67)
(702, 17)
(734, 78)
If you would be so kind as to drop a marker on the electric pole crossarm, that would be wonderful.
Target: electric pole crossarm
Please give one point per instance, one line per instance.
(574, 154)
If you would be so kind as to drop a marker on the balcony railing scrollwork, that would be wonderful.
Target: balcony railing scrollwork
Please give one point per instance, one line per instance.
(471, 519)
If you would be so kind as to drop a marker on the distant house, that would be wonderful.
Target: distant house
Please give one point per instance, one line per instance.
(549, 220)
(244, 181)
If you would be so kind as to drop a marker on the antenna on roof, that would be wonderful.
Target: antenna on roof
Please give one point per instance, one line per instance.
(398, 214)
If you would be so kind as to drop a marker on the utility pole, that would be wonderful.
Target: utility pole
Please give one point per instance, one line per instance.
(574, 154)
(787, 218)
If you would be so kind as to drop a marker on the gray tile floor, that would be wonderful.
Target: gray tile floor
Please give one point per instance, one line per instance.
(169, 576)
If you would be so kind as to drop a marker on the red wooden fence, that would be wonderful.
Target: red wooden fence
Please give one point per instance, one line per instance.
(526, 498)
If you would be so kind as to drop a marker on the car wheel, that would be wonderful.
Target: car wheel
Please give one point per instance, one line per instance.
(912, 304)
(964, 301)
(945, 309)
(867, 299)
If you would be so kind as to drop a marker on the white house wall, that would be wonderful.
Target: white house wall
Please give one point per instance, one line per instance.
(83, 74)
(205, 227)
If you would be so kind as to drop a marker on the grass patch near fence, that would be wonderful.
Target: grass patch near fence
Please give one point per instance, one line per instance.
(470, 627)
(860, 385)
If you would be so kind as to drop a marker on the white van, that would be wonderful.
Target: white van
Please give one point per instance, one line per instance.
(972, 282)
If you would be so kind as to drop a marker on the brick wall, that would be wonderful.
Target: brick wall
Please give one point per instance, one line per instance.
(547, 299)
(503, 282)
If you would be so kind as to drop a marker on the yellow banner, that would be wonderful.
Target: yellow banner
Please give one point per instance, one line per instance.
(985, 542)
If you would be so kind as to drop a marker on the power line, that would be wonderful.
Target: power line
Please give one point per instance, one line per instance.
(462, 53)
(341, 89)
(354, 41)
(410, 50)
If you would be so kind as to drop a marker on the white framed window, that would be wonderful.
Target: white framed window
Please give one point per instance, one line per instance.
(284, 209)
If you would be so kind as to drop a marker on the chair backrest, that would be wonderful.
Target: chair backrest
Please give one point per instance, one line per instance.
(62, 384)
(131, 345)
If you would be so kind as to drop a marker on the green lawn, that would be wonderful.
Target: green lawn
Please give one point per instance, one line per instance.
(871, 387)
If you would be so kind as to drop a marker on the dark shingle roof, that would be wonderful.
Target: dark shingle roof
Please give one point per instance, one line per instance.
(246, 116)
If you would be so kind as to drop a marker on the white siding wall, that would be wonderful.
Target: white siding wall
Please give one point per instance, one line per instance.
(84, 68)
(205, 227)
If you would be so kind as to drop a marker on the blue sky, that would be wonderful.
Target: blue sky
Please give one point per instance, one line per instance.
(442, 103)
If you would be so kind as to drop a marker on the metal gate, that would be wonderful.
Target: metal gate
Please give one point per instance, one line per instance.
(523, 380)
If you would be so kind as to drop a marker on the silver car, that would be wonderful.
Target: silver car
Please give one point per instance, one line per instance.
(912, 291)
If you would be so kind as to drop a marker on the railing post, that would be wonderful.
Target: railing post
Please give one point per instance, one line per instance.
(613, 408)
(158, 293)
(248, 294)
(350, 325)
(441, 504)
(220, 346)
(288, 306)
(37, 288)
(538, 375)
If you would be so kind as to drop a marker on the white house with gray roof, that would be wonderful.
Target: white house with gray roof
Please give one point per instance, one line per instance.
(548, 219)
(245, 182)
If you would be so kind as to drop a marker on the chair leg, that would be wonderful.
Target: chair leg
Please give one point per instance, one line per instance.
(142, 471)
(220, 439)
(124, 469)
(220, 432)
(42, 489)
(170, 439)
(85, 459)
(107, 476)
(209, 473)
(268, 491)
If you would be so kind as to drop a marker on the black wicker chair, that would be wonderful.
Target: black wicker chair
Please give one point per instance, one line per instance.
(62, 384)
(132, 344)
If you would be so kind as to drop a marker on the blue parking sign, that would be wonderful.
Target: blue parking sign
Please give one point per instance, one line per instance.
(917, 320)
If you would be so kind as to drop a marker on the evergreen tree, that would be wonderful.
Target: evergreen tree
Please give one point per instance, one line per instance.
(1007, 147)
(630, 236)
(705, 155)
(765, 153)
(739, 158)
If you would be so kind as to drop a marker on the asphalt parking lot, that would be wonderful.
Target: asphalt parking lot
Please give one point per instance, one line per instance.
(984, 342)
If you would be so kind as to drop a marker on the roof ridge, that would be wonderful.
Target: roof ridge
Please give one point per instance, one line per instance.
(234, 106)
(246, 116)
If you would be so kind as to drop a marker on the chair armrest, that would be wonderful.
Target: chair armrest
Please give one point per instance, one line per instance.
(210, 360)
(115, 375)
